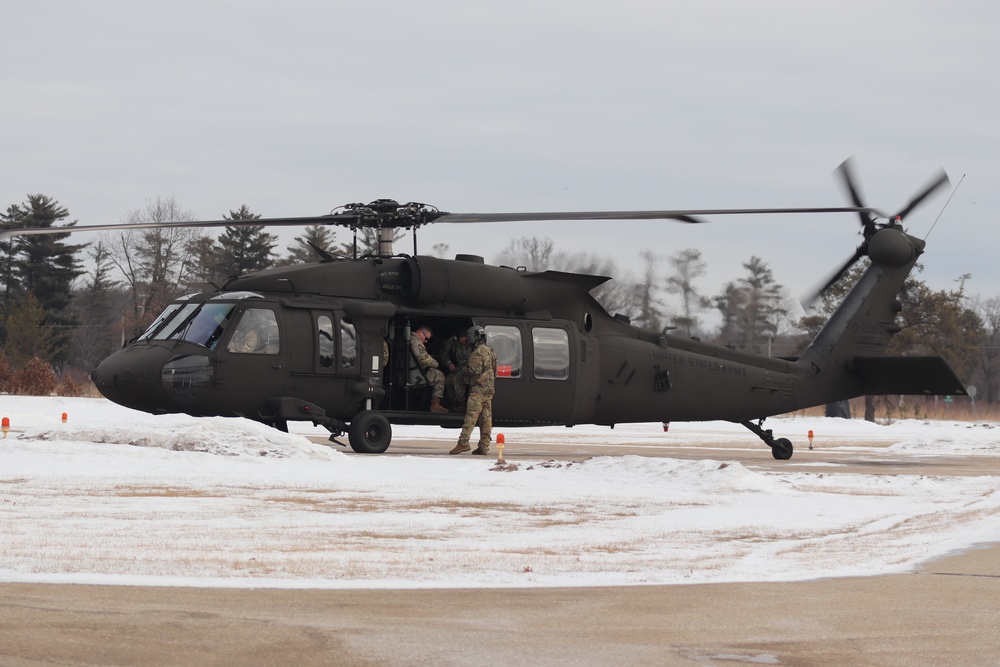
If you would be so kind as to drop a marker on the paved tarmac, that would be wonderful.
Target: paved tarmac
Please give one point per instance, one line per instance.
(946, 614)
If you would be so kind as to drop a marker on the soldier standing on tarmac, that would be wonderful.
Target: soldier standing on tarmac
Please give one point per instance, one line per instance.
(480, 373)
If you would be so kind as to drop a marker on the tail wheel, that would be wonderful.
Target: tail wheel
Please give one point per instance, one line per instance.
(781, 449)
(369, 433)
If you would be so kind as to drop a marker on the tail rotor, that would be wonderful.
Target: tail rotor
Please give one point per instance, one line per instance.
(869, 222)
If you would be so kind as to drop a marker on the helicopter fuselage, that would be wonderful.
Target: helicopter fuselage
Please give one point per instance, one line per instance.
(328, 342)
(563, 359)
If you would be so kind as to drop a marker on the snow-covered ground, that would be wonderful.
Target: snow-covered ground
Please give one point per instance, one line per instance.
(121, 497)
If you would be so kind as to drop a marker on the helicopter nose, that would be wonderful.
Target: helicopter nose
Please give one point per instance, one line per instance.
(131, 377)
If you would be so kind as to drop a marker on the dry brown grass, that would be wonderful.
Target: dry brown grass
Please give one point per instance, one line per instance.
(88, 389)
(162, 492)
(893, 408)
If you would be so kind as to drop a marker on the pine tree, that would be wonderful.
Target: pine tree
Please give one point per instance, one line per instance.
(27, 333)
(206, 265)
(245, 248)
(688, 266)
(989, 357)
(97, 306)
(752, 309)
(649, 312)
(302, 250)
(42, 265)
(9, 282)
(938, 322)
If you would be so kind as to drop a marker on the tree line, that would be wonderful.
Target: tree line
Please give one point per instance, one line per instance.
(56, 312)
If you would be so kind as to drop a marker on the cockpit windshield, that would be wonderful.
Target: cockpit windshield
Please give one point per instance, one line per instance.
(175, 315)
(158, 322)
(196, 323)
(202, 324)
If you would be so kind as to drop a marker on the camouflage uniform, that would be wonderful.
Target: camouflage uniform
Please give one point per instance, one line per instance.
(456, 354)
(428, 365)
(480, 374)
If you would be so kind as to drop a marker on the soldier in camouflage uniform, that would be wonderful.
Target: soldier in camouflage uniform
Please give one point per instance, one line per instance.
(454, 357)
(428, 365)
(480, 373)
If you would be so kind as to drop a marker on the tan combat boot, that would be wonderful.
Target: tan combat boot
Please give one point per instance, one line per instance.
(460, 447)
(437, 407)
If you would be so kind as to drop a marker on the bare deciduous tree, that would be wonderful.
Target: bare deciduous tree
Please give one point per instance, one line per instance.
(153, 262)
(530, 252)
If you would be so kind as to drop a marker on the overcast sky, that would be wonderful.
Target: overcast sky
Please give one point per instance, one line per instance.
(520, 106)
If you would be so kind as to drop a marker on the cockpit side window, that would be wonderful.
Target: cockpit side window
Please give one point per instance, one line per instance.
(207, 325)
(255, 333)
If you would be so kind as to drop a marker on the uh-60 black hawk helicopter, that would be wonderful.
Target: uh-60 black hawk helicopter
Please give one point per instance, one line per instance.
(306, 342)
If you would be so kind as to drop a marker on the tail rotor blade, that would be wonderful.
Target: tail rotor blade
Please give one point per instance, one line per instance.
(941, 180)
(846, 172)
(838, 274)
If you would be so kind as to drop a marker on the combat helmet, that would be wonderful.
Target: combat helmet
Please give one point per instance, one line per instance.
(476, 333)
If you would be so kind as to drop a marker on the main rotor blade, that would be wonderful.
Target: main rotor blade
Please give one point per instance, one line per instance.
(351, 219)
(684, 215)
(339, 219)
(940, 181)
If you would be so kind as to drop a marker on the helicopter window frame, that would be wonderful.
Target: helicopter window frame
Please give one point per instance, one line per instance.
(176, 323)
(348, 344)
(236, 296)
(160, 320)
(506, 341)
(256, 332)
(325, 345)
(550, 353)
(207, 325)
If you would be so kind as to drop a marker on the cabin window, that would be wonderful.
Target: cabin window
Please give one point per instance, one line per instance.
(256, 333)
(324, 337)
(348, 343)
(551, 347)
(506, 342)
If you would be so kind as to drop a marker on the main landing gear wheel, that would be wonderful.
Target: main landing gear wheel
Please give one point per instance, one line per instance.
(781, 449)
(369, 433)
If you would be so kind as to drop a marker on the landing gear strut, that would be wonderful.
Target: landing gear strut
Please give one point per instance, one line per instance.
(781, 448)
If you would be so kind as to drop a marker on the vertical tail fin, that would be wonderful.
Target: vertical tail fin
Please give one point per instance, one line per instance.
(865, 321)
